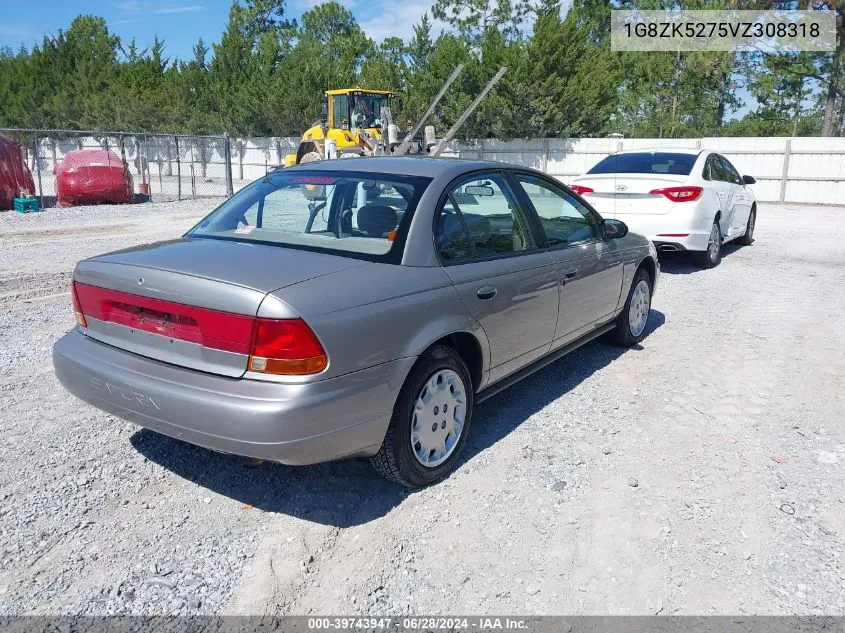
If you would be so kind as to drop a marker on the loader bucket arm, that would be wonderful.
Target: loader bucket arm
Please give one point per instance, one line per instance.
(406, 143)
(466, 114)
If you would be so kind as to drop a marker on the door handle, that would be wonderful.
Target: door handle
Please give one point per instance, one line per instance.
(486, 292)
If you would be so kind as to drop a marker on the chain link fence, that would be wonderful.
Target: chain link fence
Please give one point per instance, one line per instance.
(162, 167)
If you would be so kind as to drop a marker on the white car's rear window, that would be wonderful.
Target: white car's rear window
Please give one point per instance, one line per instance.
(646, 163)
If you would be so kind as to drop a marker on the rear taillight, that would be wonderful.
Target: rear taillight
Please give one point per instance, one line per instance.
(77, 309)
(273, 346)
(285, 346)
(581, 190)
(679, 194)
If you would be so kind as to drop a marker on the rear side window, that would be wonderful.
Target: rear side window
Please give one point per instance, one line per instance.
(731, 174)
(718, 169)
(362, 215)
(646, 163)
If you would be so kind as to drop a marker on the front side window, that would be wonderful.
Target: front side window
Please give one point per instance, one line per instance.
(340, 112)
(565, 220)
(480, 218)
(340, 212)
(367, 110)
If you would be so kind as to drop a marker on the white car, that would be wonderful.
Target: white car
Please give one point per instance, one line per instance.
(681, 199)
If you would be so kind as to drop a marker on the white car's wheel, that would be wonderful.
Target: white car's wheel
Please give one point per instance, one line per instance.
(748, 238)
(713, 255)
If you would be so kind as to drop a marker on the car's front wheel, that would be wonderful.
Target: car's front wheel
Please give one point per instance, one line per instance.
(430, 420)
(631, 322)
(713, 255)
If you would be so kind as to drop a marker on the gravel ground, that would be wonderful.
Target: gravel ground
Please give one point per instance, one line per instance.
(699, 473)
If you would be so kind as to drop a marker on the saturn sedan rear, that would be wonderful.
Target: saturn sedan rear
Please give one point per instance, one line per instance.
(353, 308)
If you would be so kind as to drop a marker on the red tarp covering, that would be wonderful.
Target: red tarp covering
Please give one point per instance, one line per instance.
(15, 178)
(92, 176)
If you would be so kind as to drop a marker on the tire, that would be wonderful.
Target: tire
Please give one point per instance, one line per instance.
(748, 237)
(626, 333)
(711, 257)
(439, 372)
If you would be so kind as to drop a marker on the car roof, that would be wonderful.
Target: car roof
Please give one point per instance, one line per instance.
(661, 150)
(404, 165)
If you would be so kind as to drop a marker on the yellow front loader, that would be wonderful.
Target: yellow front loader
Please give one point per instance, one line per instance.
(358, 122)
(353, 120)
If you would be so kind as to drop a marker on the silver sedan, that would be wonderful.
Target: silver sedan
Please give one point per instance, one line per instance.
(353, 308)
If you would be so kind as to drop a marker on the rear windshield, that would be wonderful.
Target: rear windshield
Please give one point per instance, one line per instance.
(362, 215)
(646, 163)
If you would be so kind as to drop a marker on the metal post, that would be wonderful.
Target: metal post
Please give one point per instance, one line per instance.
(240, 159)
(53, 150)
(481, 149)
(38, 170)
(203, 158)
(138, 157)
(193, 175)
(145, 169)
(453, 130)
(544, 159)
(169, 160)
(785, 174)
(227, 157)
(278, 152)
(178, 171)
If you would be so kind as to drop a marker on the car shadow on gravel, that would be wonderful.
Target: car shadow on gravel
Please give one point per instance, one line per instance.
(349, 492)
(682, 264)
(497, 417)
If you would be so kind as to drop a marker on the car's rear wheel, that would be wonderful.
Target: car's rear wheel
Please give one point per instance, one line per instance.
(631, 322)
(748, 238)
(430, 420)
(713, 255)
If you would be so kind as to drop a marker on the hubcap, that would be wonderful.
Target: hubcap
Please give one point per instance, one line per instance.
(713, 244)
(640, 305)
(438, 418)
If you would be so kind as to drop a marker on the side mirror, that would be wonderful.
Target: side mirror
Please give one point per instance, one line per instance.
(748, 180)
(324, 109)
(614, 229)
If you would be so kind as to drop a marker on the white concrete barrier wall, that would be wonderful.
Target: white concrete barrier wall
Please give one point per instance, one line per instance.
(801, 169)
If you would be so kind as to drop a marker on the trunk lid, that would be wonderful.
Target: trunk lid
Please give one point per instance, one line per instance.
(617, 195)
(191, 302)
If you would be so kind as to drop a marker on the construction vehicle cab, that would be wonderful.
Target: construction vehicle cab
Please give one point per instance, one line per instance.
(354, 118)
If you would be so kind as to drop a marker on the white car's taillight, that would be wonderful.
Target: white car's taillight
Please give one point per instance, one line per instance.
(679, 194)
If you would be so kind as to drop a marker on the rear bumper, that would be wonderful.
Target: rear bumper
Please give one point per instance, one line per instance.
(682, 229)
(294, 424)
